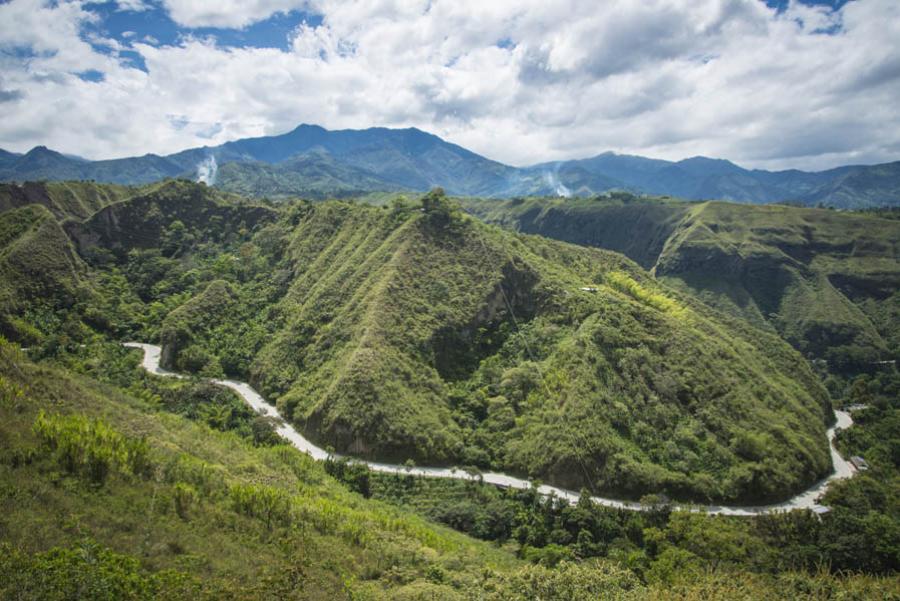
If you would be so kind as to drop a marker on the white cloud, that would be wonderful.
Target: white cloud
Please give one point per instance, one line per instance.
(668, 78)
(227, 13)
(136, 6)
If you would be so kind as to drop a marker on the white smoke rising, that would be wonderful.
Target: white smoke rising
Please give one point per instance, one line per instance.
(206, 171)
(552, 180)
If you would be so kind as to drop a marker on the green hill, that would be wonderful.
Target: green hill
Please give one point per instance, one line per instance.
(171, 216)
(75, 199)
(84, 466)
(41, 275)
(826, 281)
(395, 333)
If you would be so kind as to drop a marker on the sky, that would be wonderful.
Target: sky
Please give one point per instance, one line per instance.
(770, 84)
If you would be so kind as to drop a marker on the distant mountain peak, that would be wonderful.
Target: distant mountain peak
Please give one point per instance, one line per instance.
(384, 158)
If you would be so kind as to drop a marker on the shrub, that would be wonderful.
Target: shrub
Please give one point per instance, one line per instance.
(91, 448)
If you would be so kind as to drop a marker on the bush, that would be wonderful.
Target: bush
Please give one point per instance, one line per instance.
(91, 448)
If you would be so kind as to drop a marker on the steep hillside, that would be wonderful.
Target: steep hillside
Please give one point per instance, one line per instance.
(109, 495)
(40, 273)
(408, 333)
(170, 216)
(72, 199)
(827, 282)
(394, 332)
(405, 334)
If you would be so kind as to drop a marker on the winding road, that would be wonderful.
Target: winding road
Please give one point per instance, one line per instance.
(804, 500)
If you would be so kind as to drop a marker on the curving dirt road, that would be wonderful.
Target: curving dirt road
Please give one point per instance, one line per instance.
(804, 500)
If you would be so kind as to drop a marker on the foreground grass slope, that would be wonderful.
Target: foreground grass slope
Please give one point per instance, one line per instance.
(826, 281)
(245, 521)
(109, 491)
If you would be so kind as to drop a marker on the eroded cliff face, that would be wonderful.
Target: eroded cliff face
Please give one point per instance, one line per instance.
(821, 279)
(145, 221)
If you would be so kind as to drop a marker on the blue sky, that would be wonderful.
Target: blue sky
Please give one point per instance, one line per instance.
(773, 83)
(154, 24)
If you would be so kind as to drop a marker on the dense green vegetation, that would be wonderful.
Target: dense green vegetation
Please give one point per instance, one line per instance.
(407, 330)
(826, 281)
(404, 333)
(429, 336)
(656, 543)
(229, 517)
(185, 511)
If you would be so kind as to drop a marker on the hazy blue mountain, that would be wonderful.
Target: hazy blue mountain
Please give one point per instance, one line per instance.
(41, 163)
(7, 157)
(316, 174)
(315, 162)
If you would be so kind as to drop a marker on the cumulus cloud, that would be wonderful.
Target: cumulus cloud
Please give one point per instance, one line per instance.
(136, 6)
(227, 13)
(521, 82)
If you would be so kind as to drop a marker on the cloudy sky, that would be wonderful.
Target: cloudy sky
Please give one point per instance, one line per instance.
(773, 84)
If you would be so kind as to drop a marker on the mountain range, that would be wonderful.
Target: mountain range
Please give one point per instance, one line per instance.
(314, 162)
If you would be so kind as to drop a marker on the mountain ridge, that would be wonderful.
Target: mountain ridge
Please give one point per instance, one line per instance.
(380, 159)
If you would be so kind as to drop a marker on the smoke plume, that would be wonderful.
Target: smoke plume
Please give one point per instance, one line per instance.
(206, 171)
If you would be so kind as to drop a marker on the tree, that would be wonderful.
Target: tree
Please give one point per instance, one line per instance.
(439, 210)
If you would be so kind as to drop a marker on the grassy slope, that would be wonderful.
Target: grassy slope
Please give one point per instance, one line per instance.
(388, 332)
(396, 339)
(333, 540)
(178, 532)
(822, 279)
(39, 270)
(75, 199)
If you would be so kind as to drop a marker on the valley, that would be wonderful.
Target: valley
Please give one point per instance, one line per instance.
(522, 390)
(808, 499)
(449, 300)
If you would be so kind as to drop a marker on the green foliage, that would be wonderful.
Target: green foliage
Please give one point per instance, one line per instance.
(569, 582)
(91, 448)
(440, 211)
(395, 341)
(269, 504)
(663, 546)
(88, 571)
(424, 335)
(219, 519)
(354, 474)
(627, 285)
(825, 281)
